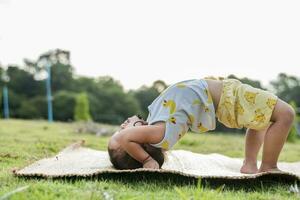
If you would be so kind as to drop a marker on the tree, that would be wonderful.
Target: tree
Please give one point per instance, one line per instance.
(109, 103)
(145, 95)
(85, 84)
(287, 88)
(61, 69)
(15, 102)
(63, 105)
(159, 85)
(1, 72)
(28, 110)
(22, 82)
(253, 83)
(82, 112)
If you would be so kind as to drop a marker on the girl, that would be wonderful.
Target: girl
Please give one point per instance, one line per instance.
(195, 105)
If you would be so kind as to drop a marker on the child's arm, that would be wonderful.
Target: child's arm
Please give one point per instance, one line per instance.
(132, 138)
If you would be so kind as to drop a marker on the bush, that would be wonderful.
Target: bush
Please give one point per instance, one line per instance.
(35, 108)
(63, 105)
(112, 105)
(29, 111)
(82, 111)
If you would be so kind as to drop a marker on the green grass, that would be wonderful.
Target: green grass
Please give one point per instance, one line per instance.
(23, 142)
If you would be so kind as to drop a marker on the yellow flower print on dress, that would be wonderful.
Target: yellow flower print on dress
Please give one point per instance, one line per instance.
(259, 116)
(230, 121)
(242, 105)
(206, 91)
(165, 145)
(197, 102)
(182, 133)
(271, 103)
(234, 92)
(182, 106)
(206, 109)
(227, 103)
(250, 97)
(209, 98)
(191, 118)
(240, 108)
(180, 136)
(180, 85)
(172, 120)
(202, 128)
(170, 104)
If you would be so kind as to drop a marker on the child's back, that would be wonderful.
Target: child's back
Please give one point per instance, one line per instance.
(182, 106)
(195, 103)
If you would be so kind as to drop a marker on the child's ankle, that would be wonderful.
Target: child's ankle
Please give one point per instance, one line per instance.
(249, 167)
(267, 167)
(250, 162)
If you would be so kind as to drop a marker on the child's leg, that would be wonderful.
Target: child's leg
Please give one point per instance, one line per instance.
(282, 118)
(254, 140)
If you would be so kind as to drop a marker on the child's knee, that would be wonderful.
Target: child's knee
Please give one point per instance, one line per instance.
(291, 114)
(284, 113)
(288, 115)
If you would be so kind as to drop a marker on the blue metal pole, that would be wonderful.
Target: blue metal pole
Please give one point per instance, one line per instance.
(5, 102)
(49, 95)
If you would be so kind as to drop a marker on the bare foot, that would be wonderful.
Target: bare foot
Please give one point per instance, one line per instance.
(268, 170)
(249, 168)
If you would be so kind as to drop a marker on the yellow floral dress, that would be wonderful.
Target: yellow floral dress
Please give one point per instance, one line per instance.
(183, 106)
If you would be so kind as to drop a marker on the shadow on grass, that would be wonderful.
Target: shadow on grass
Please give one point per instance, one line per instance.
(170, 180)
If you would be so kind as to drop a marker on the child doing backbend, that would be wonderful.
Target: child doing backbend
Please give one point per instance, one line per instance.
(194, 105)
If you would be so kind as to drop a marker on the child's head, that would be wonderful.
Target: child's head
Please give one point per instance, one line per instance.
(122, 160)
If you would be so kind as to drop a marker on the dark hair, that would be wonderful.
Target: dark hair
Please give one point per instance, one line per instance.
(122, 160)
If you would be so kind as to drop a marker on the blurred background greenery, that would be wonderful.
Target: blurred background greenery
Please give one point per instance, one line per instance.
(102, 99)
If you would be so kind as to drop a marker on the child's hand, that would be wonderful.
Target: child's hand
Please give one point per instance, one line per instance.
(151, 163)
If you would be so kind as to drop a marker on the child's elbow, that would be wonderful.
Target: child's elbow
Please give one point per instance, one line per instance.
(125, 139)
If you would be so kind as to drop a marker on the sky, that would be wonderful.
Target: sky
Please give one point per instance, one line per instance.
(138, 42)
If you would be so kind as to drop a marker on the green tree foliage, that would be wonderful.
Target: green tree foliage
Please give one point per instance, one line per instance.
(1, 73)
(61, 77)
(82, 111)
(287, 88)
(28, 110)
(159, 85)
(145, 95)
(15, 102)
(61, 70)
(86, 84)
(106, 98)
(23, 82)
(109, 103)
(63, 105)
(33, 108)
(253, 83)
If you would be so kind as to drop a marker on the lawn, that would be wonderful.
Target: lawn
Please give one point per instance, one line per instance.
(23, 142)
